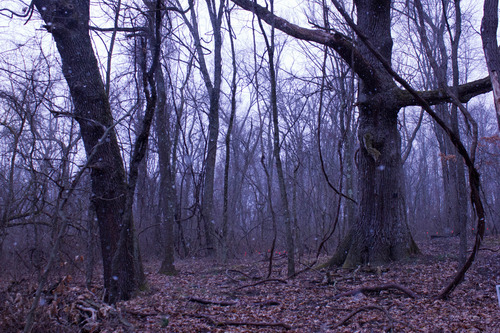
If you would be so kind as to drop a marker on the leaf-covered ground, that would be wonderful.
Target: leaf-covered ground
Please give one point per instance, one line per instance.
(209, 297)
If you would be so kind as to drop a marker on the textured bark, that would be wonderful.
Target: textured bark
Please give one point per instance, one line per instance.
(166, 159)
(67, 21)
(381, 233)
(489, 28)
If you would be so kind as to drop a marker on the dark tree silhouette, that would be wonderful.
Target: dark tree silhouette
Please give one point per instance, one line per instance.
(380, 233)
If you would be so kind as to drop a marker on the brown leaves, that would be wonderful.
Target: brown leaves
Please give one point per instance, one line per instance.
(205, 297)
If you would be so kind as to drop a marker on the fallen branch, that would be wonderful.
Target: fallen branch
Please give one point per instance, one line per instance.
(379, 288)
(487, 249)
(208, 302)
(261, 282)
(365, 308)
(141, 314)
(241, 273)
(251, 323)
(268, 303)
(306, 269)
(242, 323)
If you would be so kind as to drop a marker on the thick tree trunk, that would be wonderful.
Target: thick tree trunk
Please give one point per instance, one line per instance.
(68, 23)
(381, 233)
(489, 28)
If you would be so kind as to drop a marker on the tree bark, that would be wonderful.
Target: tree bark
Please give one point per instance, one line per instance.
(168, 193)
(489, 28)
(67, 21)
(381, 233)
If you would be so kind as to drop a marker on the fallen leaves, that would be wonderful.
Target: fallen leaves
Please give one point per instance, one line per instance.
(209, 297)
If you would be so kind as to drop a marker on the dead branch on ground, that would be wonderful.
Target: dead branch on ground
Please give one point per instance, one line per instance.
(365, 308)
(209, 302)
(261, 282)
(379, 288)
(241, 273)
(242, 323)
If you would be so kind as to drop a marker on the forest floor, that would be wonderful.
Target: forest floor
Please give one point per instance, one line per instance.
(209, 297)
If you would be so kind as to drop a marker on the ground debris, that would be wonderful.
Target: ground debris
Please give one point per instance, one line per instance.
(398, 298)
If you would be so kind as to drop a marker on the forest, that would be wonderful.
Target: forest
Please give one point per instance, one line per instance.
(249, 165)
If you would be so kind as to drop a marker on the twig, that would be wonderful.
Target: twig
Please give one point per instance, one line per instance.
(379, 288)
(261, 282)
(205, 301)
(309, 267)
(365, 308)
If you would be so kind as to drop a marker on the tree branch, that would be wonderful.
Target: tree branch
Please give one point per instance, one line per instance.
(364, 308)
(465, 93)
(342, 44)
(379, 288)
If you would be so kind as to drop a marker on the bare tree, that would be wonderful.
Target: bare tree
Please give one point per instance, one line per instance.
(68, 22)
(213, 86)
(381, 232)
(273, 104)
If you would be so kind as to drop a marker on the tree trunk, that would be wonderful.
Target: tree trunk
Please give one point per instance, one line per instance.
(290, 246)
(168, 191)
(489, 28)
(227, 162)
(381, 233)
(68, 23)
(213, 89)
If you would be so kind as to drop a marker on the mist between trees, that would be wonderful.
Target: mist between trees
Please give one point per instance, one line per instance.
(164, 130)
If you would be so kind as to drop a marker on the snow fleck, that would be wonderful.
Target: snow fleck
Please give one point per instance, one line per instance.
(115, 277)
(381, 168)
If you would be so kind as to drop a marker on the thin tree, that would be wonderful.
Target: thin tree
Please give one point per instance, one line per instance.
(270, 48)
(213, 86)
